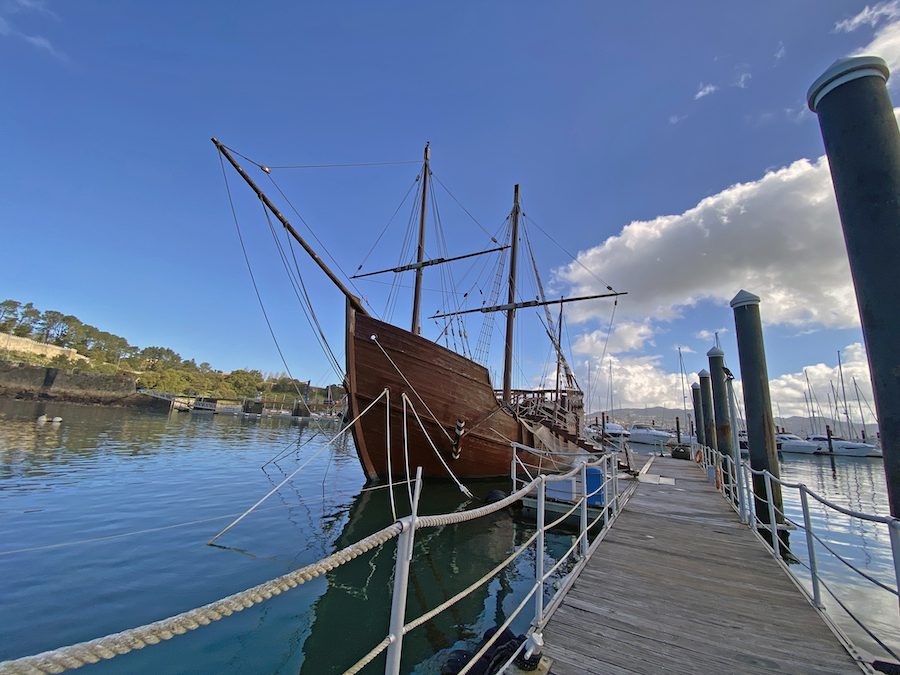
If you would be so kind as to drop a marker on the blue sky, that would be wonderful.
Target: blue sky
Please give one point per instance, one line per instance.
(113, 206)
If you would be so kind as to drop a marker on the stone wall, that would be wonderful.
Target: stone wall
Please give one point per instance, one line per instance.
(11, 343)
(27, 381)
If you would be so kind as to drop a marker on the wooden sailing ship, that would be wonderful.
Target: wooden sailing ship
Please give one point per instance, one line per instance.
(442, 411)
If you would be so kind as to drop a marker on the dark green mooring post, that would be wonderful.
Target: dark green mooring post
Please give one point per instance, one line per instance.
(863, 147)
(706, 406)
(698, 413)
(720, 401)
(757, 403)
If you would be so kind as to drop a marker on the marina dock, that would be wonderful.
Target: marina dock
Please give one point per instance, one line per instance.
(680, 585)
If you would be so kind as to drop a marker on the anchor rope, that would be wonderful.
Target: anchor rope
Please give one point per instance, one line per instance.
(462, 488)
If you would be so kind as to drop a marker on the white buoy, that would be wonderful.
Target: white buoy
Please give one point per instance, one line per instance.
(42, 419)
(56, 420)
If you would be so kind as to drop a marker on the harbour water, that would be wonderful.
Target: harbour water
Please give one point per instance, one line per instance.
(104, 519)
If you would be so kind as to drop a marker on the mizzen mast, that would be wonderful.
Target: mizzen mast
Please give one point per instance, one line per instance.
(420, 256)
(511, 312)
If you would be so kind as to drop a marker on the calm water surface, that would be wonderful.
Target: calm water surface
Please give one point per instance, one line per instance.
(104, 519)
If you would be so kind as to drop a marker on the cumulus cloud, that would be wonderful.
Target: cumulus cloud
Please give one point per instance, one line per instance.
(627, 336)
(757, 235)
(639, 381)
(704, 90)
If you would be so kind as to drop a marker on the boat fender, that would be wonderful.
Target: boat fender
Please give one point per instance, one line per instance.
(460, 430)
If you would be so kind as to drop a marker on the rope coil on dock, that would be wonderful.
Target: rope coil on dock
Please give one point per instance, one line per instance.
(110, 646)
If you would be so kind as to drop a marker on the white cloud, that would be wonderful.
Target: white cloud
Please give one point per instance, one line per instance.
(675, 119)
(710, 334)
(778, 237)
(641, 381)
(870, 16)
(40, 42)
(885, 44)
(781, 52)
(627, 336)
(704, 90)
(743, 80)
(788, 390)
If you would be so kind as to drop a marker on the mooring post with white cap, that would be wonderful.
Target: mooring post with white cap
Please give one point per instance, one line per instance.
(758, 405)
(698, 414)
(706, 407)
(862, 142)
(724, 443)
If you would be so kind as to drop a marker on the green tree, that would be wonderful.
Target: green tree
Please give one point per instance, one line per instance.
(9, 313)
(28, 318)
(245, 382)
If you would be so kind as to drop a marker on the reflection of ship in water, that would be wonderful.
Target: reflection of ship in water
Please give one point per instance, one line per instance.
(445, 561)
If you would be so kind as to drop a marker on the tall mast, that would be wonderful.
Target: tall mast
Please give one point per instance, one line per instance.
(352, 299)
(511, 313)
(844, 391)
(420, 255)
(559, 353)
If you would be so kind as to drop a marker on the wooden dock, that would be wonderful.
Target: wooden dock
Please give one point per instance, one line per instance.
(679, 585)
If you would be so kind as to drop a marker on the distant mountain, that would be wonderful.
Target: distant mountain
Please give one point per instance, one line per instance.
(665, 418)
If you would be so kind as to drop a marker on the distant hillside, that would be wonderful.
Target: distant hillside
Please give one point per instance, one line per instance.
(665, 417)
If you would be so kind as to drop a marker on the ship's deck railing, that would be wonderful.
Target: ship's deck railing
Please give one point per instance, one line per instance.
(108, 647)
(761, 513)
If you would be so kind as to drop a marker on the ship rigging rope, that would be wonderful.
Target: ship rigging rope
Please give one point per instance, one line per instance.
(334, 260)
(298, 469)
(299, 289)
(262, 306)
(264, 167)
(462, 488)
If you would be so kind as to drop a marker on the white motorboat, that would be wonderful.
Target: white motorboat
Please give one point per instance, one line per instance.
(648, 435)
(795, 444)
(844, 447)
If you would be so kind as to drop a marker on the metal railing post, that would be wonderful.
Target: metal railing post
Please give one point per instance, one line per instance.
(539, 555)
(894, 533)
(584, 511)
(749, 503)
(773, 522)
(811, 548)
(401, 581)
(614, 468)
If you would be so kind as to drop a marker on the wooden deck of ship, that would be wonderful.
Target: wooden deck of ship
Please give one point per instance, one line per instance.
(679, 585)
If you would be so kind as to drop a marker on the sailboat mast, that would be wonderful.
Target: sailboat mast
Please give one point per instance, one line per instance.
(844, 391)
(511, 313)
(862, 420)
(420, 255)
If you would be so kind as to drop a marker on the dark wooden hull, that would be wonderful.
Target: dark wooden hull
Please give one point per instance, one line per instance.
(453, 387)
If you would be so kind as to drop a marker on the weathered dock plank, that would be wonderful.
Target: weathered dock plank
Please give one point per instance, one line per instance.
(680, 586)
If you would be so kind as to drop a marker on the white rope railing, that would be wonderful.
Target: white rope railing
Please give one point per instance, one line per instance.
(778, 546)
(108, 647)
